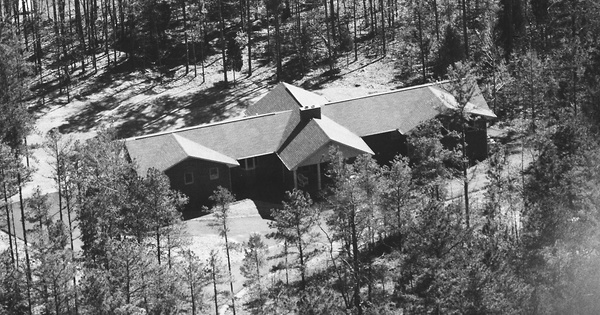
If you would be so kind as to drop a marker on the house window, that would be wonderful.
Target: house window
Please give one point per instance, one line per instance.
(188, 178)
(248, 164)
(214, 173)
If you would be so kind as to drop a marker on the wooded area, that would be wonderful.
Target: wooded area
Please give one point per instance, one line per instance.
(396, 241)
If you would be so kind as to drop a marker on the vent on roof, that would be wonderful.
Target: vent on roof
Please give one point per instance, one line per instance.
(310, 112)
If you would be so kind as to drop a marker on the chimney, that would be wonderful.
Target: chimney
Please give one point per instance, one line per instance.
(310, 112)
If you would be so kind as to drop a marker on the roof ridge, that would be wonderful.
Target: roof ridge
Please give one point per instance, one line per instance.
(389, 92)
(222, 122)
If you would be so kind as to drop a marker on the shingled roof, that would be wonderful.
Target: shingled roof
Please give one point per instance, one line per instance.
(275, 124)
(401, 110)
(285, 97)
(314, 139)
(224, 142)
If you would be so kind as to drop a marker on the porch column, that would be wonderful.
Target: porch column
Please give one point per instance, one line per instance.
(319, 176)
(230, 183)
(295, 179)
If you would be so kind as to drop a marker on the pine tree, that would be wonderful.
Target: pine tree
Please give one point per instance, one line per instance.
(395, 197)
(295, 225)
(255, 251)
(222, 199)
(214, 266)
(462, 86)
(193, 273)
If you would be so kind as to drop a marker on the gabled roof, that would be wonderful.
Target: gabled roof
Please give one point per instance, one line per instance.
(401, 110)
(198, 151)
(475, 106)
(304, 97)
(171, 149)
(222, 142)
(316, 136)
(285, 97)
(341, 135)
(299, 139)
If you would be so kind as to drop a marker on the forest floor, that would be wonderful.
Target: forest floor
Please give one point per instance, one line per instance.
(136, 102)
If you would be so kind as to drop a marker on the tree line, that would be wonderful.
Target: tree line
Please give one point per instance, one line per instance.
(64, 39)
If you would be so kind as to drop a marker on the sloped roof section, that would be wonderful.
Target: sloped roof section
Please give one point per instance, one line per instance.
(195, 150)
(304, 97)
(285, 97)
(222, 142)
(400, 110)
(476, 105)
(341, 135)
(242, 138)
(161, 153)
(303, 145)
(168, 150)
(311, 144)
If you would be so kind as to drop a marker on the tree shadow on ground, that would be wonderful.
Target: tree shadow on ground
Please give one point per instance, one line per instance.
(89, 117)
(211, 104)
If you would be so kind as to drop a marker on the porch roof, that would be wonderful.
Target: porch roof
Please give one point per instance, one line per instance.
(311, 144)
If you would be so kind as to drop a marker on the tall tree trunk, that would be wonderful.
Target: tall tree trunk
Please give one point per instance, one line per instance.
(230, 275)
(158, 244)
(79, 28)
(58, 45)
(301, 257)
(193, 297)
(465, 178)
(67, 194)
(26, 245)
(8, 227)
(437, 21)
(329, 39)
(94, 41)
(278, 45)
(185, 38)
(365, 13)
(222, 35)
(194, 54)
(25, 23)
(14, 228)
(382, 27)
(464, 25)
(332, 19)
(355, 38)
(37, 45)
(214, 277)
(249, 32)
(355, 262)
(114, 21)
(421, 45)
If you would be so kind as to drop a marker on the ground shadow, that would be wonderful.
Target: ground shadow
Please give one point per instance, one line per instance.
(211, 104)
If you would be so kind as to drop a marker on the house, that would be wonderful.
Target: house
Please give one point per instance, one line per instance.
(283, 141)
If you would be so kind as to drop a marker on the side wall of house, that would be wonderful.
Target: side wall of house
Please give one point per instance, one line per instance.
(206, 177)
(266, 181)
(386, 146)
(476, 137)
